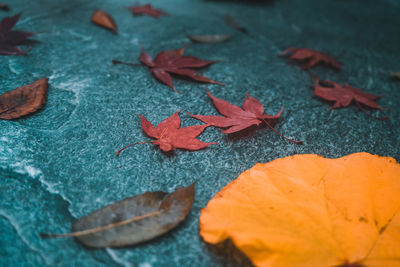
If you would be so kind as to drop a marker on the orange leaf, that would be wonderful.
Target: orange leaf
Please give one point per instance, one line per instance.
(307, 210)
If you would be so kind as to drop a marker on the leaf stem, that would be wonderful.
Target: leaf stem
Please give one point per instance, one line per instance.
(368, 114)
(119, 151)
(269, 125)
(101, 228)
(114, 61)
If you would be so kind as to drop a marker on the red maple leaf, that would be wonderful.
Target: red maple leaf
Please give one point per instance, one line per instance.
(9, 39)
(343, 96)
(310, 58)
(237, 118)
(173, 62)
(147, 9)
(169, 135)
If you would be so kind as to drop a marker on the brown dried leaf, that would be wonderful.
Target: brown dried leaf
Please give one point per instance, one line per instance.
(4, 7)
(232, 22)
(132, 220)
(209, 39)
(104, 20)
(24, 100)
(395, 75)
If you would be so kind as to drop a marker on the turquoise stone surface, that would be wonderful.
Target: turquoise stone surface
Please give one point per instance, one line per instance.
(59, 164)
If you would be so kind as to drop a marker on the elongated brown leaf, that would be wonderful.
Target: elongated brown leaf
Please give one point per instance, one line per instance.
(4, 7)
(210, 38)
(132, 220)
(231, 22)
(24, 100)
(104, 20)
(395, 75)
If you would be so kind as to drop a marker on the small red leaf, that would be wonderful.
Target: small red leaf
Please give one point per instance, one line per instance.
(103, 19)
(24, 100)
(310, 58)
(147, 10)
(343, 96)
(238, 119)
(170, 136)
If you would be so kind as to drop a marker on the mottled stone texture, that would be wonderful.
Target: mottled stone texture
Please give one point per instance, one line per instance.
(60, 164)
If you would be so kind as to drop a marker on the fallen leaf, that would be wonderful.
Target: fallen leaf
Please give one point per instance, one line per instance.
(24, 100)
(310, 58)
(395, 75)
(173, 62)
(231, 22)
(343, 96)
(209, 39)
(170, 136)
(132, 220)
(237, 118)
(10, 39)
(306, 210)
(4, 7)
(147, 9)
(103, 19)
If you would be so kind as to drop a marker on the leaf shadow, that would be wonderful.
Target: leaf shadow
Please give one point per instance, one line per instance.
(246, 2)
(230, 254)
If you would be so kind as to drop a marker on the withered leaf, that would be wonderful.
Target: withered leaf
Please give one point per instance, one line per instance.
(24, 100)
(132, 220)
(395, 75)
(104, 20)
(4, 7)
(231, 22)
(210, 38)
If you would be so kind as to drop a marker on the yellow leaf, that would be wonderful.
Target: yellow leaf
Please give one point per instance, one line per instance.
(307, 210)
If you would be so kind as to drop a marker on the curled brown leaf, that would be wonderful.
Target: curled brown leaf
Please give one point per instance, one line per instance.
(104, 20)
(23, 100)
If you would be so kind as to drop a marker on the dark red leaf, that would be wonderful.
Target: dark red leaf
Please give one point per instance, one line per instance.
(170, 136)
(10, 39)
(24, 100)
(236, 118)
(310, 58)
(147, 10)
(173, 62)
(343, 96)
(104, 19)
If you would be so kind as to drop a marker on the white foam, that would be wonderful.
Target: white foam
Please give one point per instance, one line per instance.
(117, 259)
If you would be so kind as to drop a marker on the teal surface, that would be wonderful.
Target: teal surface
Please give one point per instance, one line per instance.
(60, 163)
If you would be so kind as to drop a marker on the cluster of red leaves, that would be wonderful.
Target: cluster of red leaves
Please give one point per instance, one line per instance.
(10, 39)
(104, 20)
(343, 96)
